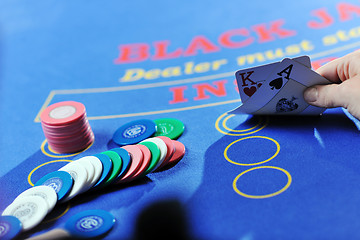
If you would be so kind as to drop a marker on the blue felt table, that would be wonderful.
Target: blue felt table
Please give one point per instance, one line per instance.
(242, 177)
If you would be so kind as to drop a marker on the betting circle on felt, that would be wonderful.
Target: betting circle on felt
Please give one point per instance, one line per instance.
(277, 145)
(286, 186)
(233, 132)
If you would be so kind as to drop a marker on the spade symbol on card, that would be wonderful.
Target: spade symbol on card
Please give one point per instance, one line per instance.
(276, 83)
(250, 90)
(285, 105)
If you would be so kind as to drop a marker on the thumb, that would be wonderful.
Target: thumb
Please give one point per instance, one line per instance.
(328, 96)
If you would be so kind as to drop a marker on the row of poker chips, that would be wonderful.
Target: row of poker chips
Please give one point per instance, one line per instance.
(139, 130)
(66, 127)
(77, 226)
(115, 166)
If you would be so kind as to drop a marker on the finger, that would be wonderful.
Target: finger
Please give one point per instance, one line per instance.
(329, 70)
(341, 69)
(328, 96)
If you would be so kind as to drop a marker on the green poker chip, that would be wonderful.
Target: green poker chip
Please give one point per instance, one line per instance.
(117, 163)
(169, 127)
(155, 155)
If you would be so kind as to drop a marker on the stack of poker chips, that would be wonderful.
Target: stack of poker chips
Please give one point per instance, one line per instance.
(66, 127)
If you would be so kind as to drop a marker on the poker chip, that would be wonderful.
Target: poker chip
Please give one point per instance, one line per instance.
(155, 155)
(10, 227)
(145, 163)
(178, 154)
(163, 150)
(134, 132)
(60, 181)
(66, 127)
(30, 210)
(79, 175)
(169, 127)
(117, 163)
(90, 224)
(98, 168)
(46, 192)
(136, 161)
(90, 170)
(126, 160)
(107, 168)
(170, 149)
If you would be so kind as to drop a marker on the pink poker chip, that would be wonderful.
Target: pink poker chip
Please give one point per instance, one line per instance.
(178, 154)
(146, 161)
(170, 149)
(137, 158)
(62, 113)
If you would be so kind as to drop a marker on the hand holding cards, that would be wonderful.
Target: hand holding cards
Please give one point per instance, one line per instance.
(277, 88)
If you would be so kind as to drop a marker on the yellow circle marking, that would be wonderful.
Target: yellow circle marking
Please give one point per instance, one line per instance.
(266, 195)
(234, 130)
(251, 164)
(217, 126)
(62, 214)
(32, 172)
(59, 156)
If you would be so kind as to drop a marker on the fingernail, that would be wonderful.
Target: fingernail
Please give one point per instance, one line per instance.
(311, 94)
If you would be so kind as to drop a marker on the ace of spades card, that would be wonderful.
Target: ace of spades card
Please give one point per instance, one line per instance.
(282, 91)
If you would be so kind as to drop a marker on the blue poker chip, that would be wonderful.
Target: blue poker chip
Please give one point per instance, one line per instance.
(134, 132)
(107, 168)
(90, 224)
(60, 181)
(126, 158)
(10, 227)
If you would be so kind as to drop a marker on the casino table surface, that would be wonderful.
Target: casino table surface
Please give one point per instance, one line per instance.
(243, 176)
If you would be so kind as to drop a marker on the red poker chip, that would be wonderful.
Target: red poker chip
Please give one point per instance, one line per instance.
(146, 162)
(178, 154)
(170, 149)
(62, 113)
(137, 157)
(66, 127)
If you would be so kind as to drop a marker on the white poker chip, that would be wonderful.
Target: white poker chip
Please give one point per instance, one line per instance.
(98, 167)
(30, 210)
(80, 175)
(62, 112)
(90, 170)
(163, 149)
(46, 192)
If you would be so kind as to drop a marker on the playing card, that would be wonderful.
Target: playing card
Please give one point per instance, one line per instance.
(303, 75)
(304, 60)
(288, 101)
(282, 92)
(250, 80)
